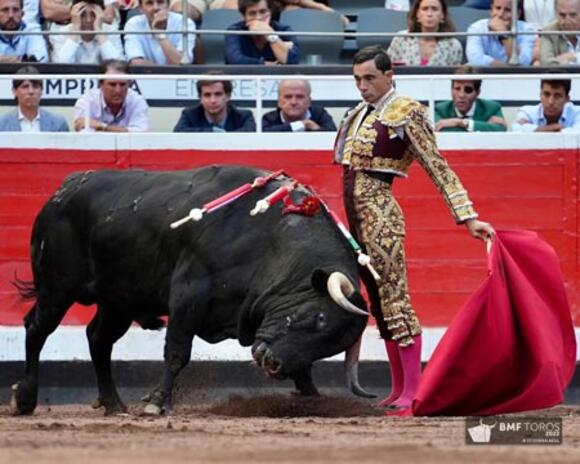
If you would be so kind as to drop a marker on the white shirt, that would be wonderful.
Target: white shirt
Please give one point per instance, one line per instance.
(296, 126)
(27, 125)
(72, 50)
(533, 115)
(146, 46)
(469, 115)
(538, 13)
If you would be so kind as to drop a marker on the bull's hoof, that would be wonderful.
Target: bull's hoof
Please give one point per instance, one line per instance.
(19, 405)
(96, 404)
(152, 410)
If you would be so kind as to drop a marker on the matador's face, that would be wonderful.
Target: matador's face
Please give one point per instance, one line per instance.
(371, 82)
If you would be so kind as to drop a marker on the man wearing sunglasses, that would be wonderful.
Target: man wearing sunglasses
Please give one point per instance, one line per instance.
(113, 106)
(466, 112)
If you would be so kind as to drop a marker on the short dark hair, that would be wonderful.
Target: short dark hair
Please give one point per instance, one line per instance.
(244, 4)
(466, 69)
(566, 84)
(376, 53)
(205, 82)
(26, 70)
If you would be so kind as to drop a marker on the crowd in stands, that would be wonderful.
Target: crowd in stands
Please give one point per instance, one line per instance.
(114, 107)
(146, 32)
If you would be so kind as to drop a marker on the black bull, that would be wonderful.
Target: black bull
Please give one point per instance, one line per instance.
(104, 238)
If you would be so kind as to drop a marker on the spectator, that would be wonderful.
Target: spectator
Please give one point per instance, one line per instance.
(215, 113)
(495, 50)
(466, 112)
(17, 48)
(113, 106)
(268, 49)
(295, 112)
(555, 113)
(87, 48)
(427, 16)
(57, 13)
(154, 45)
(28, 116)
(564, 48)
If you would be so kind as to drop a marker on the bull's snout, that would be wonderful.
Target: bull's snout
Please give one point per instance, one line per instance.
(266, 359)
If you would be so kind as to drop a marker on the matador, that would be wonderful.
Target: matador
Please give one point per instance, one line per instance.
(376, 143)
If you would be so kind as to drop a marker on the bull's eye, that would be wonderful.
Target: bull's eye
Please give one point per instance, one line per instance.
(320, 321)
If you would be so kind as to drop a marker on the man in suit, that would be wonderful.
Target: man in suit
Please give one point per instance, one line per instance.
(466, 112)
(28, 116)
(562, 49)
(295, 112)
(215, 113)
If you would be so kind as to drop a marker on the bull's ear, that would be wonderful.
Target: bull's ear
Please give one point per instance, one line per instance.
(319, 279)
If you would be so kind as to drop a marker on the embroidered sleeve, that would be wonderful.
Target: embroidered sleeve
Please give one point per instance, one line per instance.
(427, 154)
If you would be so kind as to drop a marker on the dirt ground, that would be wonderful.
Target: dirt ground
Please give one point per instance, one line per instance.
(262, 430)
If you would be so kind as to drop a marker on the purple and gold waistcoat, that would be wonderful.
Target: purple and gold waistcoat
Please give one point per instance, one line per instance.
(389, 138)
(377, 142)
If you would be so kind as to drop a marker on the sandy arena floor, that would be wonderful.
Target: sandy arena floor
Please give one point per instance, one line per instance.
(217, 433)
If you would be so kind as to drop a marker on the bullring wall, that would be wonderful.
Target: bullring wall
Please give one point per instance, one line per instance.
(516, 181)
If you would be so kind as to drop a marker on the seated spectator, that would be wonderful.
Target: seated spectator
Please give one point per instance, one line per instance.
(87, 48)
(154, 45)
(113, 106)
(196, 8)
(563, 48)
(555, 113)
(215, 113)
(268, 49)
(57, 15)
(427, 16)
(495, 50)
(278, 6)
(466, 112)
(28, 116)
(17, 48)
(295, 111)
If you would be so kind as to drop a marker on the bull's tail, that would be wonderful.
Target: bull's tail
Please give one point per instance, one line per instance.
(26, 288)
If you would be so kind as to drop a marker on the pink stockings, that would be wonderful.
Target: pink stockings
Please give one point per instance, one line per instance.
(405, 364)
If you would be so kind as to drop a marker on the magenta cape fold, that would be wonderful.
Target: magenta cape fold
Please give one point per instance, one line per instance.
(511, 347)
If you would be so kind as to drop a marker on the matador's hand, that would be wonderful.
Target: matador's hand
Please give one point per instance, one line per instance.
(479, 229)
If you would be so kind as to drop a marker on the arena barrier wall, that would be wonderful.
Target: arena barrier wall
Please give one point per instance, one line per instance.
(517, 181)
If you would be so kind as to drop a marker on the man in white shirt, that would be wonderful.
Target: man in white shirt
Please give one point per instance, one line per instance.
(555, 113)
(87, 48)
(154, 45)
(28, 116)
(113, 106)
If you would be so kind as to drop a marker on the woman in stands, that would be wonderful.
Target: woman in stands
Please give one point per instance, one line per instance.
(427, 16)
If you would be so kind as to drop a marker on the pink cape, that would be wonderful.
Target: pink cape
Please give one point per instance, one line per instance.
(512, 346)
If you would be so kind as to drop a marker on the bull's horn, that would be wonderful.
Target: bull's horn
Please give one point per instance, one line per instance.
(339, 287)
(351, 368)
